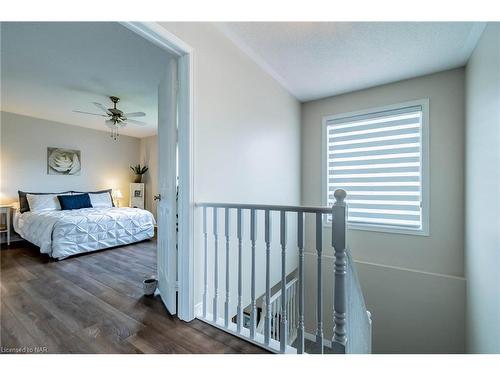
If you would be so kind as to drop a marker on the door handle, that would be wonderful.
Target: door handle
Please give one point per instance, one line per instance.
(157, 197)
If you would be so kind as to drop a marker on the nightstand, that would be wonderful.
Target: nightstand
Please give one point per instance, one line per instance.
(5, 228)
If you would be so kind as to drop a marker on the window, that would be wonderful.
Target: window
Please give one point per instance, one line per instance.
(379, 157)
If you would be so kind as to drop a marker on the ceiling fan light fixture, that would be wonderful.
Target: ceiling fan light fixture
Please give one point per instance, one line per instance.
(116, 118)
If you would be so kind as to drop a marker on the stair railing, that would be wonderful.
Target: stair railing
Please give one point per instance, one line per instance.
(348, 304)
(359, 334)
(275, 312)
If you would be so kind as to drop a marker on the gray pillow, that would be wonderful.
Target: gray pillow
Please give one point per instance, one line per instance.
(23, 201)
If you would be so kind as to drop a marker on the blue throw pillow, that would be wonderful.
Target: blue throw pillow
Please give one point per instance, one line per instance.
(74, 202)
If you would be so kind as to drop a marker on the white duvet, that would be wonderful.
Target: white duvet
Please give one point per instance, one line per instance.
(64, 233)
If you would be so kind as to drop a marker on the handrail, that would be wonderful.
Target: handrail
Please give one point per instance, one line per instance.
(359, 334)
(277, 295)
(264, 207)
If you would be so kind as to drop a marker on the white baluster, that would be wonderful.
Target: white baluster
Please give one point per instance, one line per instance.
(278, 317)
(300, 243)
(339, 215)
(216, 267)
(273, 319)
(239, 312)
(294, 309)
(283, 337)
(294, 305)
(273, 323)
(319, 286)
(226, 310)
(292, 312)
(289, 316)
(205, 241)
(253, 237)
(267, 318)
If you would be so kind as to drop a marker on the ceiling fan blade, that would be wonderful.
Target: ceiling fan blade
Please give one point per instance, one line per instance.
(135, 122)
(135, 114)
(101, 107)
(89, 113)
(110, 123)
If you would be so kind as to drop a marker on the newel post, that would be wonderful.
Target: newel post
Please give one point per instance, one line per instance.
(339, 219)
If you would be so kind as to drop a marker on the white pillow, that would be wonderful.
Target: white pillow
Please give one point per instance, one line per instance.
(101, 200)
(43, 202)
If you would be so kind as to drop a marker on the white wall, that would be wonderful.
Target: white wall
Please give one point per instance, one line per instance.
(414, 285)
(149, 157)
(24, 142)
(247, 136)
(482, 249)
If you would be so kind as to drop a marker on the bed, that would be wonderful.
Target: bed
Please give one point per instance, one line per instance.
(63, 233)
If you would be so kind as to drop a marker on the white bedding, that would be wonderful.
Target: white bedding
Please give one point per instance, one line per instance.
(64, 233)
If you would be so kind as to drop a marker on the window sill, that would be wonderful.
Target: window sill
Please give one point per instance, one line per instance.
(384, 229)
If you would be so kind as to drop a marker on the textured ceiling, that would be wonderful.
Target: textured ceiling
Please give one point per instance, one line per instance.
(316, 60)
(50, 69)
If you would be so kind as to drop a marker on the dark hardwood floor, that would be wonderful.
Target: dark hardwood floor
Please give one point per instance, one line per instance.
(93, 303)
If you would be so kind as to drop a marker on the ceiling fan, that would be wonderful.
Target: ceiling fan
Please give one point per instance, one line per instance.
(116, 118)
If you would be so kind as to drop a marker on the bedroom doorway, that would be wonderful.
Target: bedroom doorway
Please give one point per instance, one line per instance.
(175, 166)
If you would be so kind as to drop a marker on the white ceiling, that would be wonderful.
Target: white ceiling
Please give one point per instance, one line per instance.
(316, 60)
(50, 69)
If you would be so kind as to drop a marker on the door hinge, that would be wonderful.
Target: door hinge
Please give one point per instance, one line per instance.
(177, 286)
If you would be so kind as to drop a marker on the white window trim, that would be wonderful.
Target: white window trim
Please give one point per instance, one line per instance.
(425, 151)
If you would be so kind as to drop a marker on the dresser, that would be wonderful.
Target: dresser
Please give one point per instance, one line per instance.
(136, 195)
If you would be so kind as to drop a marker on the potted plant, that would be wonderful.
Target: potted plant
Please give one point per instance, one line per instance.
(139, 171)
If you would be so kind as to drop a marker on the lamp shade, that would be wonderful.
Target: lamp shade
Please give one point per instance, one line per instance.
(117, 194)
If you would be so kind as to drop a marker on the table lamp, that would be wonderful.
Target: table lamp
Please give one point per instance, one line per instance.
(117, 195)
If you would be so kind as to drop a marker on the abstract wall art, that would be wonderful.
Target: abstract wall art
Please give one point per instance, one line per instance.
(63, 161)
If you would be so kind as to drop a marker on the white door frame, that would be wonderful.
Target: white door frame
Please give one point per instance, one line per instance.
(161, 37)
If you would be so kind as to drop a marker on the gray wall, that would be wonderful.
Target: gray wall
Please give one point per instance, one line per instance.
(149, 157)
(414, 285)
(24, 142)
(482, 247)
(247, 142)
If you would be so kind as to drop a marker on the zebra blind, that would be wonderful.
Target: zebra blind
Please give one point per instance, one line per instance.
(377, 159)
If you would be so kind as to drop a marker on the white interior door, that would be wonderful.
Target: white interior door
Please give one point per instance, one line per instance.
(167, 180)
